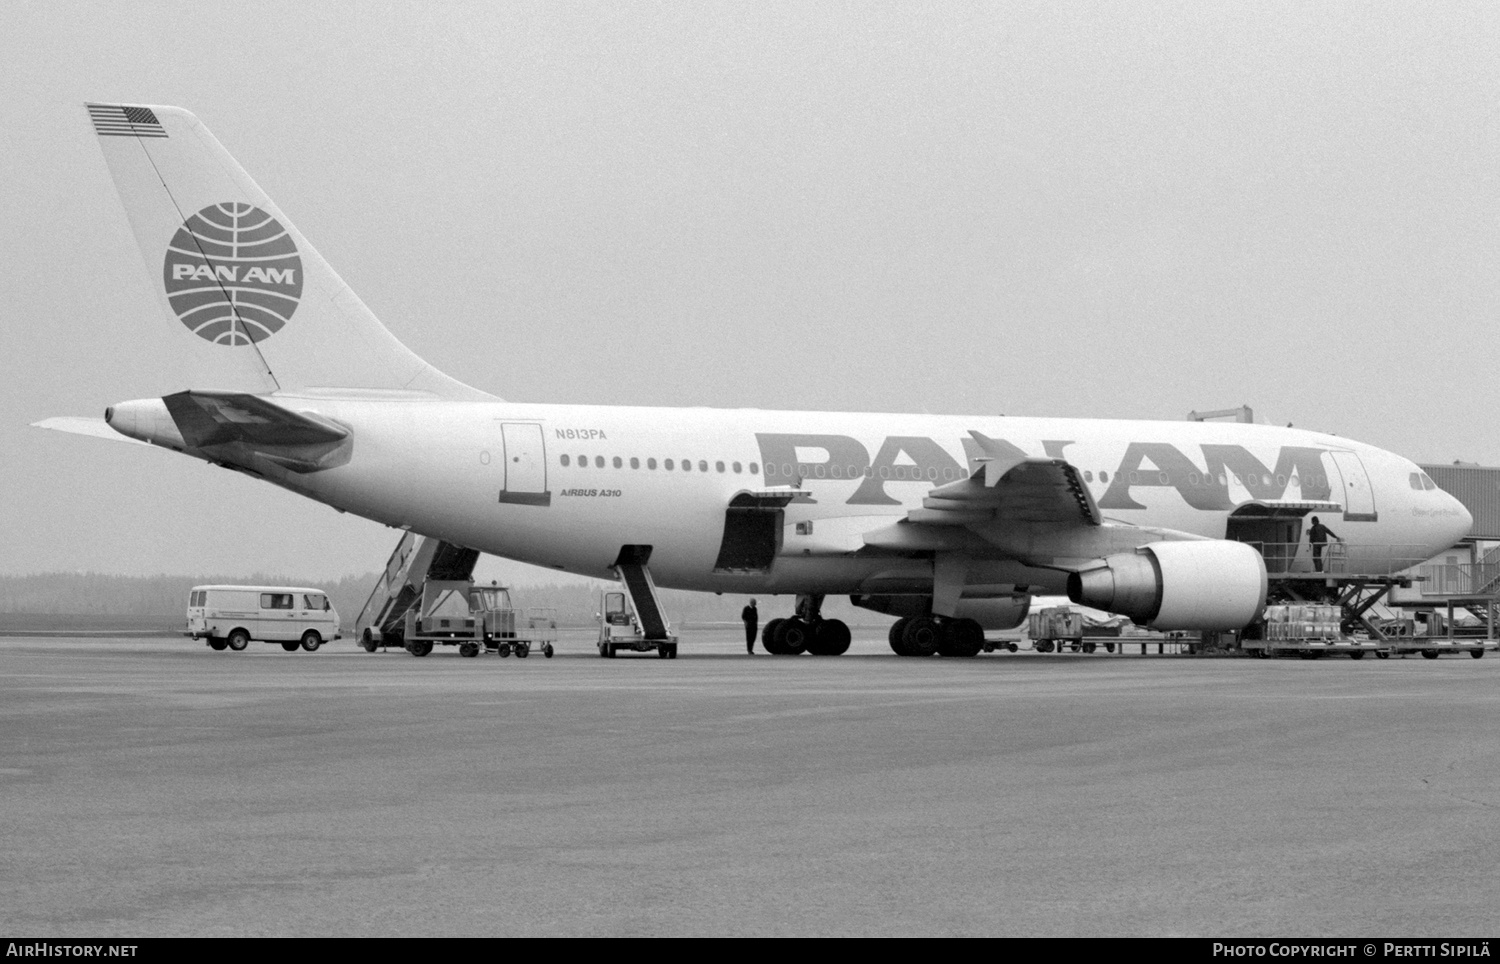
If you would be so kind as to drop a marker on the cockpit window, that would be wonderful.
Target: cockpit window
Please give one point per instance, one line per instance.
(1416, 481)
(1427, 482)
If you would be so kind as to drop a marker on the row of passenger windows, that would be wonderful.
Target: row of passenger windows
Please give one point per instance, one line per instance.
(914, 473)
(1203, 478)
(668, 464)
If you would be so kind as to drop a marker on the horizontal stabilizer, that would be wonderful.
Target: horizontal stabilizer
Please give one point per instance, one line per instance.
(82, 425)
(217, 418)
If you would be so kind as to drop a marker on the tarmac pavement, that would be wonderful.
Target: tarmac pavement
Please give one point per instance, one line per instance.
(154, 787)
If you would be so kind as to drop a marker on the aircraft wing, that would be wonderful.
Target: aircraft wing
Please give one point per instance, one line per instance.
(1010, 486)
(1031, 508)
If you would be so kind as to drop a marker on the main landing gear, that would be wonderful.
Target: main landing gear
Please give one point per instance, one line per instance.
(926, 635)
(806, 632)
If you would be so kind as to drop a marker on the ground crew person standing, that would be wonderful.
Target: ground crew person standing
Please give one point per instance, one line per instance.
(1317, 537)
(752, 618)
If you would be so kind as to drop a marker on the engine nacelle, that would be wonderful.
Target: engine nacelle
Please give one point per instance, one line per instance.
(1210, 584)
(996, 612)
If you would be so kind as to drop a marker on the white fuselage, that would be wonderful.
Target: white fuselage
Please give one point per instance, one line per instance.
(565, 486)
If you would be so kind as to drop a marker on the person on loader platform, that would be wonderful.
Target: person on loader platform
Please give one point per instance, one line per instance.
(1317, 537)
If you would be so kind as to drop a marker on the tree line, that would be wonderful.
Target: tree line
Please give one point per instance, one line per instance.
(165, 596)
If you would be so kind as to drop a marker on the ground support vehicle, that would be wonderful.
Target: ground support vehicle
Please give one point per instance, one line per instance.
(620, 629)
(426, 597)
(1054, 628)
(476, 619)
(1445, 633)
(1310, 631)
(229, 617)
(991, 645)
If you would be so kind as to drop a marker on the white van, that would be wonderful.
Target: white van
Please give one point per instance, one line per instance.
(228, 617)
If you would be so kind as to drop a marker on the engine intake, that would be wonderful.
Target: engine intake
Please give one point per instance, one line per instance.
(1210, 584)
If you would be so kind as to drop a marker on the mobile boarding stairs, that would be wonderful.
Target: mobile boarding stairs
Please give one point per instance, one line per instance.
(426, 596)
(633, 618)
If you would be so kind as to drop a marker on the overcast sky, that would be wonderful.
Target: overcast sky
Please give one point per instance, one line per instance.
(1106, 210)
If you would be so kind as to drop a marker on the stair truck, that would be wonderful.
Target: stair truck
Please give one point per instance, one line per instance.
(426, 596)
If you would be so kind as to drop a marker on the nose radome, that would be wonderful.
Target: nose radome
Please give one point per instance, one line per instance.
(1463, 522)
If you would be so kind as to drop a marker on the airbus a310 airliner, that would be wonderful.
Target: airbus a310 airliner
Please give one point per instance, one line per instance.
(950, 523)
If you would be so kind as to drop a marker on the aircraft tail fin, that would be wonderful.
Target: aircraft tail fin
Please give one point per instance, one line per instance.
(247, 292)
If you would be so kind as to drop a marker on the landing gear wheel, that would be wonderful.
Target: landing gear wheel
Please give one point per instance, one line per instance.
(898, 633)
(961, 637)
(238, 640)
(367, 641)
(792, 636)
(419, 647)
(830, 638)
(217, 644)
(1429, 654)
(768, 637)
(468, 649)
(311, 641)
(922, 636)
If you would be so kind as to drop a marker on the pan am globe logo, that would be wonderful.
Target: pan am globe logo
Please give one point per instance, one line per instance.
(233, 274)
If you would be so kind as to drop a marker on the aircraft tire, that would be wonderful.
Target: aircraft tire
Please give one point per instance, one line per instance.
(238, 640)
(290, 645)
(830, 637)
(960, 638)
(898, 630)
(792, 636)
(768, 637)
(921, 636)
(217, 643)
(311, 641)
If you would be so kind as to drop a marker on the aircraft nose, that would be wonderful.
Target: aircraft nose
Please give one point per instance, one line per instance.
(1462, 519)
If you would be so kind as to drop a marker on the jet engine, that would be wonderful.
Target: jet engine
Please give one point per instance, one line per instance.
(1210, 584)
